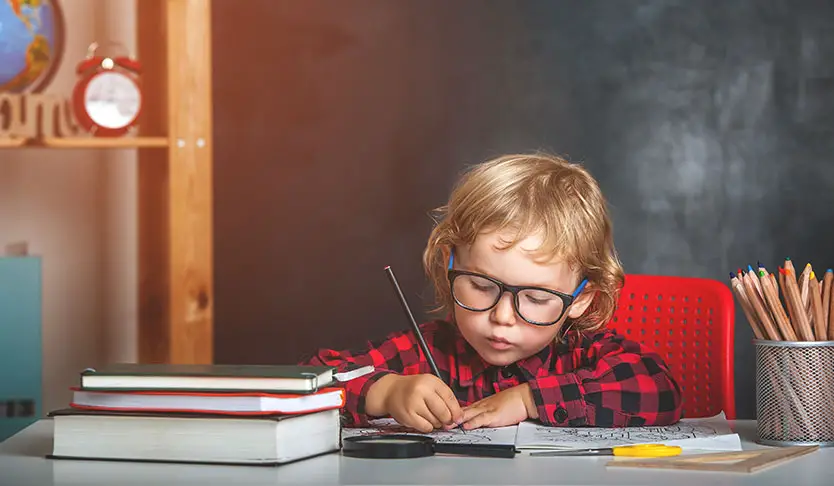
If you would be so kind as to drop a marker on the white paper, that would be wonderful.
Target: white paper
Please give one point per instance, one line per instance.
(693, 435)
(712, 433)
(499, 435)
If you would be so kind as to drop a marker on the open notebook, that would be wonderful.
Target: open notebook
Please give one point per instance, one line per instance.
(712, 433)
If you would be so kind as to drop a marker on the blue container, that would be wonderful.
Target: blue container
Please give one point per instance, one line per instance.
(21, 374)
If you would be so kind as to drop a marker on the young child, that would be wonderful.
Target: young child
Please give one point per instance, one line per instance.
(524, 267)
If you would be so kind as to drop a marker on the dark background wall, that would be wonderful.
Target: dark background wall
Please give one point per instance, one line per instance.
(339, 125)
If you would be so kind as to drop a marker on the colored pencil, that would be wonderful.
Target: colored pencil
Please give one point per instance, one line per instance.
(784, 306)
(804, 294)
(759, 304)
(772, 295)
(827, 301)
(788, 302)
(749, 312)
(801, 322)
(820, 325)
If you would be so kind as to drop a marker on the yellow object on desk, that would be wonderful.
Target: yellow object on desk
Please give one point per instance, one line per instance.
(637, 450)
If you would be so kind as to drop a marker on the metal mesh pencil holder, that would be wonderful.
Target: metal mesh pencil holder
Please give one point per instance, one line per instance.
(795, 392)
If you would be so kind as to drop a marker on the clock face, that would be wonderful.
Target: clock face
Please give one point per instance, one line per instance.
(112, 100)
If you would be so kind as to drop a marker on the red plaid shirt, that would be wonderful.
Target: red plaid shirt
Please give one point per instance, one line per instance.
(601, 379)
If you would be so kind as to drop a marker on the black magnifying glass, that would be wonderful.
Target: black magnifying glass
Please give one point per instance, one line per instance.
(406, 446)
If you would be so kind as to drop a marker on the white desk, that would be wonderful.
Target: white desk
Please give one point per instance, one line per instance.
(22, 463)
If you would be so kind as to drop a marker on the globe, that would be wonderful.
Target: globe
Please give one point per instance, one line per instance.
(31, 43)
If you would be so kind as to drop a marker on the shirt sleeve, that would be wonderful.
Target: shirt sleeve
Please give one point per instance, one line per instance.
(395, 354)
(618, 383)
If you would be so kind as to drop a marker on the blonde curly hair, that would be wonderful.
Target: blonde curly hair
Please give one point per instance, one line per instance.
(528, 194)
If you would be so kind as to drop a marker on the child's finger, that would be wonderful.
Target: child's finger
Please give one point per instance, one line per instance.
(475, 404)
(480, 420)
(470, 412)
(451, 402)
(422, 410)
(439, 408)
(419, 423)
(453, 405)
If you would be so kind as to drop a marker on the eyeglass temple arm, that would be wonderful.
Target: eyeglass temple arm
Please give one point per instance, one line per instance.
(579, 289)
(575, 292)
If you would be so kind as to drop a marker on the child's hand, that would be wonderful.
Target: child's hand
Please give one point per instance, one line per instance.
(422, 402)
(507, 407)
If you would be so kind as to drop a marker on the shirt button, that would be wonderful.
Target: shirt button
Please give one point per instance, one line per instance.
(560, 414)
(507, 373)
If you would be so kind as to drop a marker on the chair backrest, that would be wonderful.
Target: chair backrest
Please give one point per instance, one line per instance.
(690, 323)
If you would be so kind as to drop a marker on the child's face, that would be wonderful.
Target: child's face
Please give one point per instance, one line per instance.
(499, 334)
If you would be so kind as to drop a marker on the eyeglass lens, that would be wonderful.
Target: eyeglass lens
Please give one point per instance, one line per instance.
(478, 294)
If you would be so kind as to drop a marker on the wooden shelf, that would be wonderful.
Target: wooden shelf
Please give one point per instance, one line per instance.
(175, 274)
(12, 142)
(86, 142)
(123, 142)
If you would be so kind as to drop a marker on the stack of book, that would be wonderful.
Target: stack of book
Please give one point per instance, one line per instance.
(249, 414)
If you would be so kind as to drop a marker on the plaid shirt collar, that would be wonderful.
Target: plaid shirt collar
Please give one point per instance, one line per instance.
(470, 365)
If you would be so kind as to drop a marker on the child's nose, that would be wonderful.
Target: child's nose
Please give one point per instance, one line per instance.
(504, 312)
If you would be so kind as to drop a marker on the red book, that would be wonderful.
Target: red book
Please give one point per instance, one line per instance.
(230, 403)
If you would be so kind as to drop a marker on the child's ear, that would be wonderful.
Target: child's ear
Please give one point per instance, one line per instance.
(580, 305)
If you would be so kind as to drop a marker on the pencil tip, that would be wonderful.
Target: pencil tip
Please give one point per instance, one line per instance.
(732, 275)
(812, 276)
(759, 264)
(829, 270)
(749, 268)
(787, 258)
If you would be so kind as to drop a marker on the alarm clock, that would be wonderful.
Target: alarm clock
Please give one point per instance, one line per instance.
(107, 98)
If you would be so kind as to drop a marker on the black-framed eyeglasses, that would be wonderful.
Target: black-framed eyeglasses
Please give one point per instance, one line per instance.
(536, 305)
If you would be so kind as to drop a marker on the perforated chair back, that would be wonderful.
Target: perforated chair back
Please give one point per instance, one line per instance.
(690, 323)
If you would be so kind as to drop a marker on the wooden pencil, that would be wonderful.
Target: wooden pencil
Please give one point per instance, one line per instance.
(778, 312)
(831, 312)
(788, 302)
(759, 304)
(799, 365)
(773, 306)
(790, 305)
(804, 294)
(749, 312)
(799, 316)
(826, 300)
(781, 272)
(775, 285)
(820, 325)
(754, 278)
(785, 305)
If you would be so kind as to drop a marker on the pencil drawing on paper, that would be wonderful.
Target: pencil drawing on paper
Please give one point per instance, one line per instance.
(637, 434)
(533, 435)
(503, 435)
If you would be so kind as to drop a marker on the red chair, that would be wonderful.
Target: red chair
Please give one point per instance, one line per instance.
(690, 322)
